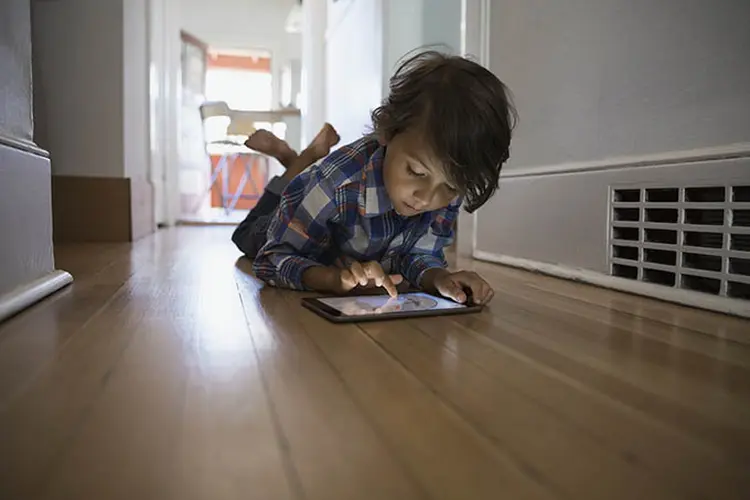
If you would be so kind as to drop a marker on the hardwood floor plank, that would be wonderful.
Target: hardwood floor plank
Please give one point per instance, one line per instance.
(696, 370)
(733, 353)
(619, 381)
(38, 425)
(635, 436)
(335, 450)
(518, 425)
(167, 372)
(714, 324)
(29, 341)
(447, 455)
(144, 379)
(629, 359)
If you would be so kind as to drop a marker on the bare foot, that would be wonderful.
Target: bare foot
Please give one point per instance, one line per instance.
(267, 143)
(319, 147)
(324, 141)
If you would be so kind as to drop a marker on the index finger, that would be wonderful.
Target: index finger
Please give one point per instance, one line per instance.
(375, 272)
(389, 286)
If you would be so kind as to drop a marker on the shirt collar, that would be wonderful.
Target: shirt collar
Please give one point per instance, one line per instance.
(373, 197)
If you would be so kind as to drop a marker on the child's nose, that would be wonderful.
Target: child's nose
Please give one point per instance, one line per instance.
(422, 198)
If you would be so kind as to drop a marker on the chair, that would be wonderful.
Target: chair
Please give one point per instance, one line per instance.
(237, 126)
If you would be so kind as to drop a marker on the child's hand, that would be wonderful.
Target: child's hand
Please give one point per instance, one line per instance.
(452, 285)
(366, 275)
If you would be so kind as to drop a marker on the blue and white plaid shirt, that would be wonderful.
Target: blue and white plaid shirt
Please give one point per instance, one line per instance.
(339, 211)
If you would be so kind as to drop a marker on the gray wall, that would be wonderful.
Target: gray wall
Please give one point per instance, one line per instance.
(78, 52)
(366, 41)
(353, 65)
(15, 70)
(92, 86)
(596, 80)
(25, 207)
(600, 78)
(441, 24)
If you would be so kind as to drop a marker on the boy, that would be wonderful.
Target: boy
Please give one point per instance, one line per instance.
(382, 209)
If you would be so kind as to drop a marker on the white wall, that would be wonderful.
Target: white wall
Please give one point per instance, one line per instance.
(604, 87)
(92, 86)
(366, 39)
(244, 24)
(78, 51)
(354, 65)
(441, 24)
(600, 78)
(314, 75)
(136, 88)
(25, 212)
(404, 32)
(15, 76)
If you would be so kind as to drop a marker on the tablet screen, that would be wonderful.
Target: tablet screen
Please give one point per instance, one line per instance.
(381, 304)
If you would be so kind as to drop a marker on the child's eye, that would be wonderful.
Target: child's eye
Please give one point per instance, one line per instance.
(414, 172)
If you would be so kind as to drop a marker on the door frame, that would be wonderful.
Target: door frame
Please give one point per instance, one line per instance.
(475, 42)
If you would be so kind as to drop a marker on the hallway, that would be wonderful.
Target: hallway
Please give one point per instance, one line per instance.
(166, 372)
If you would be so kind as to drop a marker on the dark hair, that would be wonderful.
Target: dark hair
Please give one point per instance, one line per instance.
(464, 113)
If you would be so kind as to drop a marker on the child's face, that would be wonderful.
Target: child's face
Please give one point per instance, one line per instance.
(414, 178)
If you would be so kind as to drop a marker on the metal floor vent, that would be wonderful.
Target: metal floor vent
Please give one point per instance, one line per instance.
(692, 238)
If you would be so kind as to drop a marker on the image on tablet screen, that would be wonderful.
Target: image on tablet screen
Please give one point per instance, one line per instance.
(381, 304)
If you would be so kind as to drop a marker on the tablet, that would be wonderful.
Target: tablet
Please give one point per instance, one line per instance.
(382, 307)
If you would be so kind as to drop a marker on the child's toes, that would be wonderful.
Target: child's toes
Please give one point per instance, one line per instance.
(262, 141)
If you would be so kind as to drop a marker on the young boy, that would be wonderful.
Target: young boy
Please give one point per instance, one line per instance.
(382, 209)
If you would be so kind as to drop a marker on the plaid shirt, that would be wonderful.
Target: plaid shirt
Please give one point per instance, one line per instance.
(338, 211)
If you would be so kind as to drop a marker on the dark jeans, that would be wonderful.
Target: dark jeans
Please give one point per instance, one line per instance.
(250, 235)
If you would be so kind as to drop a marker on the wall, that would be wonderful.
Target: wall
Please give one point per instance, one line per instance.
(354, 65)
(603, 87)
(597, 79)
(441, 24)
(78, 51)
(403, 27)
(91, 73)
(244, 24)
(27, 271)
(135, 96)
(316, 18)
(366, 40)
(15, 73)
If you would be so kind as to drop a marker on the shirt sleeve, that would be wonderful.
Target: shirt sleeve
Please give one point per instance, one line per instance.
(298, 234)
(428, 251)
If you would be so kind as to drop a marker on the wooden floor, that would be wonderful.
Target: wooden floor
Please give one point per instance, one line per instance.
(166, 372)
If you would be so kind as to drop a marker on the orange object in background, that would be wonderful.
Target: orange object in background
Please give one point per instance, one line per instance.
(236, 169)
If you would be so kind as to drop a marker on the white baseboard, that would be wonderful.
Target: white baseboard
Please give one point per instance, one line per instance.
(24, 296)
(684, 297)
(714, 153)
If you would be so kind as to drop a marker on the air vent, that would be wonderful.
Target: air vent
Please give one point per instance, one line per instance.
(688, 237)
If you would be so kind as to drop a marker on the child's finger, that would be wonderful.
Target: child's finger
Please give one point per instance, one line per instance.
(453, 291)
(359, 273)
(486, 293)
(375, 272)
(479, 288)
(389, 286)
(348, 281)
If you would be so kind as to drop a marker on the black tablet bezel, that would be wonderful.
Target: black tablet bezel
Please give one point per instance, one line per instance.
(334, 315)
